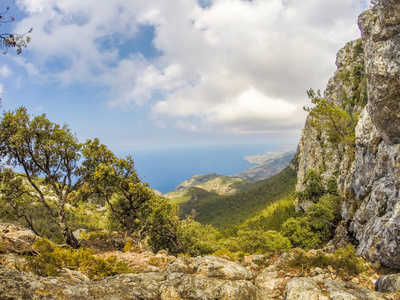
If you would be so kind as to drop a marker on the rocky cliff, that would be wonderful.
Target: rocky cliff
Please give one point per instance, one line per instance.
(368, 171)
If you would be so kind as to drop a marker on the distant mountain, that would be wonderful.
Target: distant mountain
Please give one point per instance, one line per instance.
(270, 163)
(219, 184)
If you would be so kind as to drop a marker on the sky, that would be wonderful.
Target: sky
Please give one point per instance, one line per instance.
(175, 73)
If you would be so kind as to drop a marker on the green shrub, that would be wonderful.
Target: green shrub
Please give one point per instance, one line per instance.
(2, 248)
(232, 256)
(300, 234)
(198, 239)
(349, 261)
(345, 261)
(52, 259)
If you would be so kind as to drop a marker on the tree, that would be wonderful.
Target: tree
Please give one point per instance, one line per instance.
(314, 187)
(12, 40)
(336, 122)
(134, 208)
(42, 149)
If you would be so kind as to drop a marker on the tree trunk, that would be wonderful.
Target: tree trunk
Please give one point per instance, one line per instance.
(69, 237)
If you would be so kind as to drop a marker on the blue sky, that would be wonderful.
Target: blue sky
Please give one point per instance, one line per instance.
(151, 74)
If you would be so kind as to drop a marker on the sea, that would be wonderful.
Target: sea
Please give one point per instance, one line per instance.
(165, 168)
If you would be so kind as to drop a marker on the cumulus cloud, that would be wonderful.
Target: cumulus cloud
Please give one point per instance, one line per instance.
(228, 65)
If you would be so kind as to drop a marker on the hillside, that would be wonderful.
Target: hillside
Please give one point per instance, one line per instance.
(269, 164)
(225, 211)
(220, 184)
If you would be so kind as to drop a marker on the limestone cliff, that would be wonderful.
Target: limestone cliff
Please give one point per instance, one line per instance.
(368, 173)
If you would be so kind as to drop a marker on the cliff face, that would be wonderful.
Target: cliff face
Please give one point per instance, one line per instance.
(368, 173)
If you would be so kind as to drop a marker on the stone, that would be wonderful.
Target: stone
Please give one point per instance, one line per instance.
(340, 290)
(270, 282)
(388, 283)
(381, 33)
(300, 288)
(20, 285)
(368, 175)
(217, 267)
(17, 239)
(188, 286)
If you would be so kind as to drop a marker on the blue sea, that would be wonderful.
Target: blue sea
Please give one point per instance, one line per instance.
(165, 169)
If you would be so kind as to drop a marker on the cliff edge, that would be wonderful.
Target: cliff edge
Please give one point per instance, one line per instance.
(367, 86)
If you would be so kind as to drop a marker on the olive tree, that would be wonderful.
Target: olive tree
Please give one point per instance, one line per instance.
(134, 208)
(40, 149)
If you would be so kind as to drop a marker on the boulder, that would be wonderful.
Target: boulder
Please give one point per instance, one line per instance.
(21, 285)
(388, 283)
(340, 290)
(188, 286)
(300, 288)
(15, 238)
(271, 282)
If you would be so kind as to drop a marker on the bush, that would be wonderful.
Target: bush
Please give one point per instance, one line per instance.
(198, 239)
(301, 234)
(52, 259)
(345, 261)
(317, 225)
(232, 256)
(349, 261)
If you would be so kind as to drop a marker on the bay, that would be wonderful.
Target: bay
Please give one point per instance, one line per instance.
(165, 168)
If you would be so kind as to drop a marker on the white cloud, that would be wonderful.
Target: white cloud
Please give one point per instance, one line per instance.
(5, 71)
(235, 65)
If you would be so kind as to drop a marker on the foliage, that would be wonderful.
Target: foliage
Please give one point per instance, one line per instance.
(344, 260)
(232, 256)
(133, 206)
(358, 49)
(226, 211)
(273, 216)
(258, 241)
(314, 187)
(198, 239)
(300, 234)
(41, 149)
(12, 40)
(164, 226)
(316, 226)
(348, 261)
(51, 259)
(336, 122)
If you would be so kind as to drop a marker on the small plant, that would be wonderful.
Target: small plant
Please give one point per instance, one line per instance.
(94, 235)
(154, 261)
(128, 246)
(232, 256)
(345, 261)
(184, 255)
(52, 259)
(261, 260)
(349, 261)
(2, 248)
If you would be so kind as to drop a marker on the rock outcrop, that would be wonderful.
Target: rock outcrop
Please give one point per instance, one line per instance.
(368, 174)
(16, 239)
(204, 278)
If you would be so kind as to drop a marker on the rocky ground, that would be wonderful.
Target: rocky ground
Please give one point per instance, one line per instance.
(162, 276)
